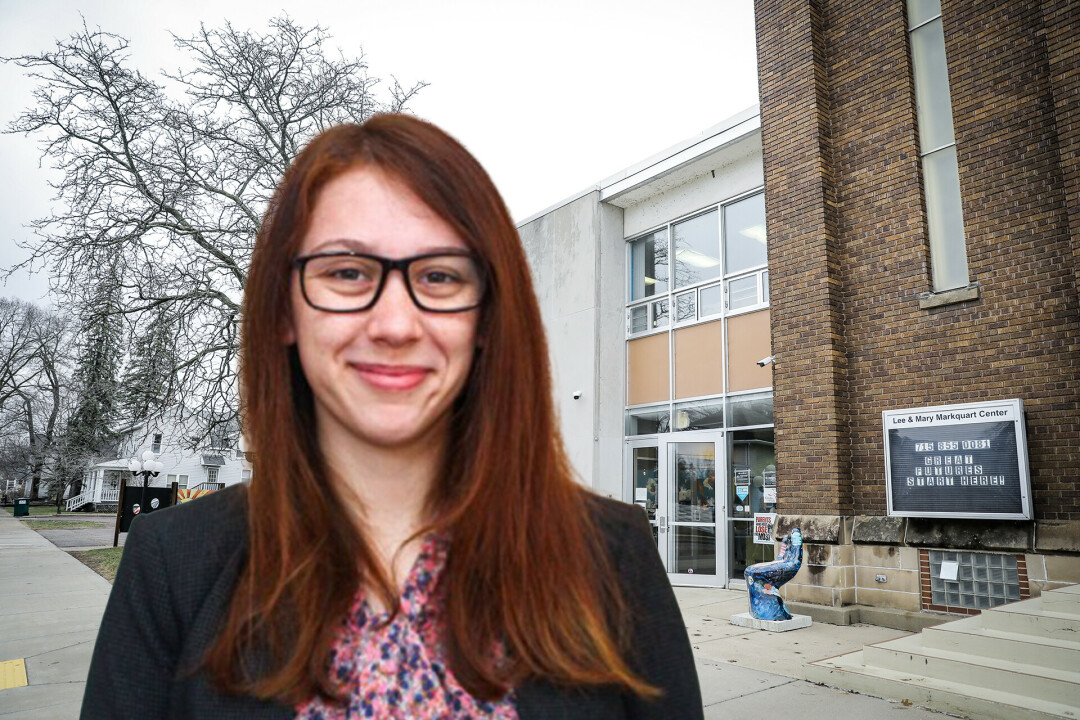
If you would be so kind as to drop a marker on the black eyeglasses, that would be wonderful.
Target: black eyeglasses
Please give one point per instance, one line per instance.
(347, 282)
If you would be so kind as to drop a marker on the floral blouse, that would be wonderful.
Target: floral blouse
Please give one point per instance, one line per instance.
(397, 671)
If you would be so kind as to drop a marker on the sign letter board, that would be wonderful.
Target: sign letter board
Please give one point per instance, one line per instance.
(958, 461)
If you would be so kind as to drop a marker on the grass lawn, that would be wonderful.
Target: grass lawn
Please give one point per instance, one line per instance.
(103, 561)
(35, 510)
(60, 524)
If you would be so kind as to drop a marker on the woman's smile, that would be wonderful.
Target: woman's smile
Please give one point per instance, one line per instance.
(391, 377)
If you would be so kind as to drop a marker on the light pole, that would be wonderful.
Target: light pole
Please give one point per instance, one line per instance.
(148, 468)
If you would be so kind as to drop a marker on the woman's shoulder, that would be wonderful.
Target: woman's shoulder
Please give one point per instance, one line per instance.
(212, 526)
(617, 519)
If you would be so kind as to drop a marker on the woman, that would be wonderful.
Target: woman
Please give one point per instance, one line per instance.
(412, 544)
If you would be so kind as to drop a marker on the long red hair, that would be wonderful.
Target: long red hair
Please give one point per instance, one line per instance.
(527, 564)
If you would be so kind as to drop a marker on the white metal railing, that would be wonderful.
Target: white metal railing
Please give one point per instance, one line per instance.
(110, 495)
(208, 486)
(78, 501)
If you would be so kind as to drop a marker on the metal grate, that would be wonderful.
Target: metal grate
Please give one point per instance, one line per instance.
(983, 580)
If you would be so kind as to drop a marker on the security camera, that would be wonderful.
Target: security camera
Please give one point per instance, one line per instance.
(577, 394)
(764, 361)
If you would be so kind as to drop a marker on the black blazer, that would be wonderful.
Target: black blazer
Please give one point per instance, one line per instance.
(178, 571)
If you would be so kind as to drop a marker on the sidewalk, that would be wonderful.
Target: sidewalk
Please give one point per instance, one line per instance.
(50, 609)
(751, 673)
(51, 605)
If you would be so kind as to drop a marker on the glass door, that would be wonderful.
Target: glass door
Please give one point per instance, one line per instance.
(674, 478)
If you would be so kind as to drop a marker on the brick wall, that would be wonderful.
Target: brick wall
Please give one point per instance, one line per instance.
(848, 247)
(806, 297)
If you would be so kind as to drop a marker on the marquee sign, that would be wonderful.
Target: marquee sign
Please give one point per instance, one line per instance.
(958, 461)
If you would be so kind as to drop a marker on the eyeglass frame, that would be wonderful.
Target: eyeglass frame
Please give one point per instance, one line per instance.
(388, 266)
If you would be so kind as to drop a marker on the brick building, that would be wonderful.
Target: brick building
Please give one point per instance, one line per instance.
(896, 226)
(860, 323)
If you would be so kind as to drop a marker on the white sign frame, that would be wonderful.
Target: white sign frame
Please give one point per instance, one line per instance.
(1014, 411)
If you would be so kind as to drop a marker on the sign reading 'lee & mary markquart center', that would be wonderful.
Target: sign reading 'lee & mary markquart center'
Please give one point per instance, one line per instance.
(958, 461)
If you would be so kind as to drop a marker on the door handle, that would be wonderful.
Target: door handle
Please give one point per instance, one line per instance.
(663, 524)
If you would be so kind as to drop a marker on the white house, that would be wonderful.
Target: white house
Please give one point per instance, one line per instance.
(219, 464)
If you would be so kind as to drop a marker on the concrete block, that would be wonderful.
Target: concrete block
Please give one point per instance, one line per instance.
(1014, 535)
(811, 594)
(1057, 536)
(895, 580)
(1036, 569)
(909, 558)
(877, 556)
(889, 599)
(748, 620)
(1062, 568)
(873, 529)
(826, 576)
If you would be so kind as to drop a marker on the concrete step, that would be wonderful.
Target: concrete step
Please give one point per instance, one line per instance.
(969, 635)
(977, 702)
(1066, 599)
(911, 655)
(1033, 617)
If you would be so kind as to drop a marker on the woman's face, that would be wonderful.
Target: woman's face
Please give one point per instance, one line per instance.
(386, 376)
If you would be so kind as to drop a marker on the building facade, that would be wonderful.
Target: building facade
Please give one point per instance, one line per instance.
(922, 170)
(734, 321)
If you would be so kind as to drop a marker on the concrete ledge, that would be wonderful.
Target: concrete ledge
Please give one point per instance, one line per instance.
(929, 300)
(957, 534)
(879, 530)
(747, 620)
(846, 615)
(814, 528)
(905, 620)
(1057, 536)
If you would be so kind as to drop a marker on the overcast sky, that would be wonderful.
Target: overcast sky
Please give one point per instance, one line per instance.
(551, 96)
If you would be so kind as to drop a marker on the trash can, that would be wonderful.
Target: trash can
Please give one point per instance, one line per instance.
(22, 507)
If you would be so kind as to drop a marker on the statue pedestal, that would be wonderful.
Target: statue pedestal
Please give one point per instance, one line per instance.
(747, 620)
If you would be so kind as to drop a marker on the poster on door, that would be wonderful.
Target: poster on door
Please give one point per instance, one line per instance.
(763, 528)
(769, 487)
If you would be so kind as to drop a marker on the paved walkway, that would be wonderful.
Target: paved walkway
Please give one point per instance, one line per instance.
(50, 608)
(754, 673)
(51, 605)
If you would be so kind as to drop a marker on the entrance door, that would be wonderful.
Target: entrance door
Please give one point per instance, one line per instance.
(674, 477)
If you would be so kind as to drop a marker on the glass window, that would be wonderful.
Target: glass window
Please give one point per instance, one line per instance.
(170, 479)
(649, 265)
(697, 249)
(245, 476)
(751, 409)
(646, 468)
(937, 146)
(944, 219)
(742, 293)
(712, 300)
(699, 415)
(932, 99)
(639, 318)
(155, 446)
(686, 306)
(646, 421)
(181, 481)
(659, 313)
(211, 474)
(765, 286)
(693, 549)
(919, 11)
(744, 234)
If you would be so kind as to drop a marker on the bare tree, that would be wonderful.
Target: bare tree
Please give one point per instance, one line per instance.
(35, 385)
(168, 190)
